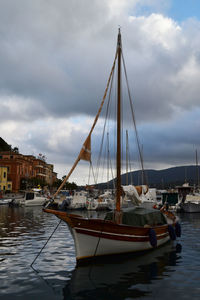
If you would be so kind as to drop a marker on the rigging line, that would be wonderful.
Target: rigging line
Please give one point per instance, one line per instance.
(127, 157)
(95, 181)
(112, 173)
(130, 166)
(108, 165)
(115, 129)
(107, 111)
(103, 165)
(89, 173)
(134, 122)
(45, 244)
(108, 107)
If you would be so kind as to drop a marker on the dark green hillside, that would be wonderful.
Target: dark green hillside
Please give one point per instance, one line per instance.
(167, 178)
(4, 146)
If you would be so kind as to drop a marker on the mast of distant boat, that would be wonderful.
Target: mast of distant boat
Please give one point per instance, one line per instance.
(118, 156)
(197, 168)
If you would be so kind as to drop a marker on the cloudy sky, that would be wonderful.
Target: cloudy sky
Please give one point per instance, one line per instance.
(55, 58)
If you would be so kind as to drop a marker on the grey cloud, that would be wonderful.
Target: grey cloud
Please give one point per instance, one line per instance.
(55, 60)
(61, 55)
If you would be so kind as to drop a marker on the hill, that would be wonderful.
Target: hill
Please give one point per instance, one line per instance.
(161, 179)
(4, 146)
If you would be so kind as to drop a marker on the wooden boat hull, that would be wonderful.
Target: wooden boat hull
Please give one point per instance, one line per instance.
(96, 237)
(88, 245)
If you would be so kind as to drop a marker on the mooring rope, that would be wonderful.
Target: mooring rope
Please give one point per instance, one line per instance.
(45, 244)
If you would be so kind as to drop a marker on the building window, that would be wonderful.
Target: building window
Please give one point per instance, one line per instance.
(4, 188)
(4, 174)
(11, 156)
(9, 186)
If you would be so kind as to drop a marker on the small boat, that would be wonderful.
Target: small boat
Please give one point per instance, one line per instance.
(133, 229)
(30, 198)
(78, 200)
(191, 204)
(5, 201)
(98, 204)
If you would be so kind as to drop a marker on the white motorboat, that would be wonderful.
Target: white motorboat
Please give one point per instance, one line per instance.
(77, 201)
(191, 203)
(5, 201)
(31, 198)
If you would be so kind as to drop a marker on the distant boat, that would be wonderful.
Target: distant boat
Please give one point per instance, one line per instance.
(123, 230)
(102, 202)
(30, 198)
(5, 201)
(190, 201)
(191, 204)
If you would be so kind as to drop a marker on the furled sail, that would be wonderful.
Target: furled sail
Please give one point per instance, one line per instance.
(85, 153)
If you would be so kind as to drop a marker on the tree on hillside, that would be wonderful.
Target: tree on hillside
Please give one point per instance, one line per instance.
(67, 185)
(15, 149)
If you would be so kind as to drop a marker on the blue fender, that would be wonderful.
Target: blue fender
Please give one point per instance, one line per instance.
(172, 233)
(178, 229)
(152, 237)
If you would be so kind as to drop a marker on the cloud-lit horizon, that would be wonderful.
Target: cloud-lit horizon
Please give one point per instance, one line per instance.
(55, 61)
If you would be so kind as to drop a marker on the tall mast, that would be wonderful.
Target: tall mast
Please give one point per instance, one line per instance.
(197, 169)
(118, 193)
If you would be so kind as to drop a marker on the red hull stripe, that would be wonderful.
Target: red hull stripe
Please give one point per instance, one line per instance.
(119, 237)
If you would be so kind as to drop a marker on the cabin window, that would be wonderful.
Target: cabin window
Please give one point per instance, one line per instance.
(29, 196)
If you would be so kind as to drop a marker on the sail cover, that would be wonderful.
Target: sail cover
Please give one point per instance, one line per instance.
(140, 216)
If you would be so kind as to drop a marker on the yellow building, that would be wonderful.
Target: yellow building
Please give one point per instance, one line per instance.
(5, 185)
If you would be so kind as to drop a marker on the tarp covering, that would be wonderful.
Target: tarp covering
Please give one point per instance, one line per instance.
(139, 216)
(131, 193)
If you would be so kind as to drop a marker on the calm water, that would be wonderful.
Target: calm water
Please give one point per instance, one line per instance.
(168, 272)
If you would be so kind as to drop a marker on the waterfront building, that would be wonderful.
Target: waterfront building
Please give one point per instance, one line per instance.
(5, 185)
(24, 167)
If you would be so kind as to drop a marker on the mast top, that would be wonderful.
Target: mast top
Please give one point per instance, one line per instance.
(119, 43)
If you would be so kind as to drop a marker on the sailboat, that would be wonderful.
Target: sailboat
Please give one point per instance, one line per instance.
(134, 229)
(190, 203)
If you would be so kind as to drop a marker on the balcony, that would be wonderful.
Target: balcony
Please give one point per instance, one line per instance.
(40, 174)
(39, 166)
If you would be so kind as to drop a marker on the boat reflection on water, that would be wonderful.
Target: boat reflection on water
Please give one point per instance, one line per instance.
(122, 277)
